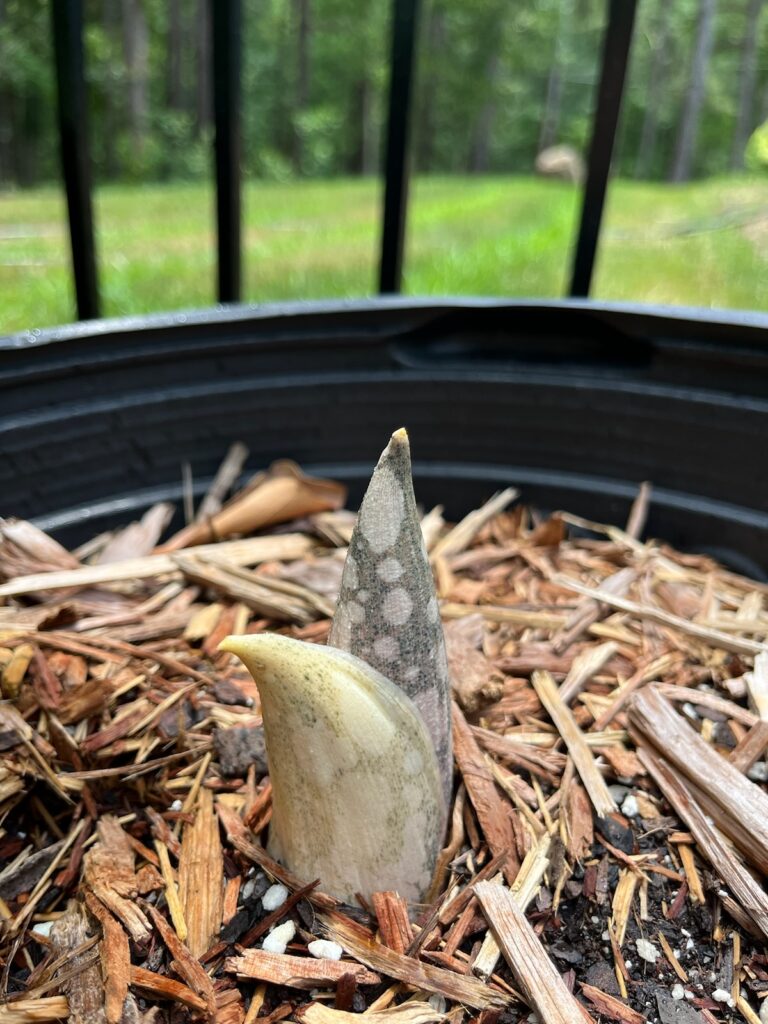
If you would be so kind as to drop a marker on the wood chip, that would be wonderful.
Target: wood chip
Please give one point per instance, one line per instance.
(744, 805)
(85, 989)
(115, 957)
(36, 1011)
(611, 1007)
(166, 988)
(295, 971)
(406, 1013)
(562, 716)
(432, 979)
(201, 877)
(493, 815)
(712, 844)
(532, 969)
(240, 552)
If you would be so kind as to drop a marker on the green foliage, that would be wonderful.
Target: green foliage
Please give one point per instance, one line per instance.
(478, 235)
(495, 82)
(756, 156)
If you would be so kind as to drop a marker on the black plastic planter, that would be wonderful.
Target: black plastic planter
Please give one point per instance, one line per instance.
(573, 402)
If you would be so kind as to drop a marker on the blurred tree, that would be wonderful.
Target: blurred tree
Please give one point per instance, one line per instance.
(496, 82)
(745, 119)
(694, 99)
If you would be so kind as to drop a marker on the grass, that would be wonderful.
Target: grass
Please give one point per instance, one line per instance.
(703, 244)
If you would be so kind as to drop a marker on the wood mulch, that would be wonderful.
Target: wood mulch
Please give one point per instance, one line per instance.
(608, 842)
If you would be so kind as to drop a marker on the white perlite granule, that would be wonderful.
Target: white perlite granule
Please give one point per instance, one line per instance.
(274, 897)
(647, 951)
(323, 949)
(279, 938)
(721, 995)
(678, 992)
(629, 807)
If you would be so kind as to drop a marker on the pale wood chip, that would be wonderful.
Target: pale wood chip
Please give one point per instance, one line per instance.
(458, 538)
(242, 552)
(532, 969)
(725, 862)
(295, 971)
(405, 1013)
(201, 875)
(36, 1011)
(743, 805)
(562, 716)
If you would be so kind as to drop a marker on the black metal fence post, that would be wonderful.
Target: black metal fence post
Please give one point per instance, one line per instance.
(67, 20)
(616, 47)
(226, 18)
(404, 25)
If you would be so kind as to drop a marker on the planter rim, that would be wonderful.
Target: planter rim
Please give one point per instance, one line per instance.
(239, 313)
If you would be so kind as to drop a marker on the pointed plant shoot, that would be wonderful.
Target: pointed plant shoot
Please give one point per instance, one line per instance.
(358, 733)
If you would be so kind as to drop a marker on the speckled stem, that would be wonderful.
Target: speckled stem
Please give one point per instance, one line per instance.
(387, 613)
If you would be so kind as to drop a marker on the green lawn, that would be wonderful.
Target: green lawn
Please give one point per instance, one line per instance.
(702, 244)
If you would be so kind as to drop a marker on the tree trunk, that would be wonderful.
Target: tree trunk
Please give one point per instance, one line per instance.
(747, 79)
(480, 150)
(301, 17)
(110, 24)
(657, 74)
(550, 122)
(689, 125)
(174, 84)
(434, 35)
(203, 97)
(136, 50)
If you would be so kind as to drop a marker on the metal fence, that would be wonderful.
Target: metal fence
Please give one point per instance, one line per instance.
(226, 20)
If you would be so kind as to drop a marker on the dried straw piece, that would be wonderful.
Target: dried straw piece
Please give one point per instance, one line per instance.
(589, 610)
(295, 971)
(713, 637)
(562, 716)
(226, 477)
(273, 599)
(201, 875)
(532, 969)
(463, 533)
(283, 547)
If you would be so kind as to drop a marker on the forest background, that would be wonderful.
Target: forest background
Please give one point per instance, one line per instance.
(497, 82)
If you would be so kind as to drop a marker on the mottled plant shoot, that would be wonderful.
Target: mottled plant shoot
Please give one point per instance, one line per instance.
(387, 613)
(356, 792)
